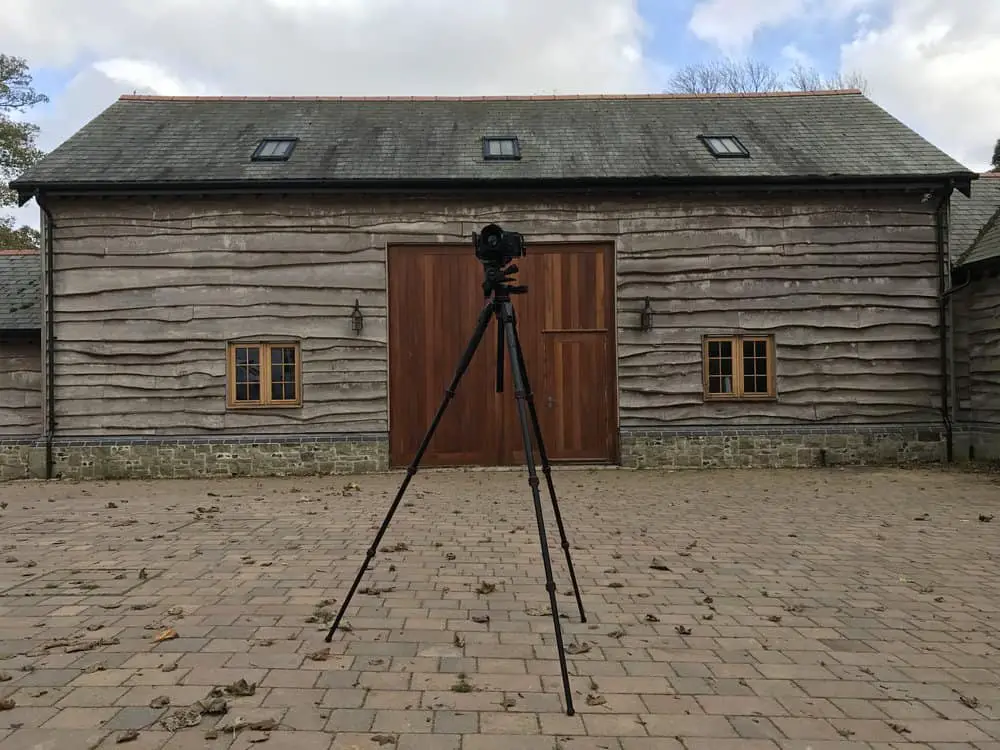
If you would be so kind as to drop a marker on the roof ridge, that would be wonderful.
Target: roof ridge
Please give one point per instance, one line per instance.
(514, 97)
(992, 173)
(19, 251)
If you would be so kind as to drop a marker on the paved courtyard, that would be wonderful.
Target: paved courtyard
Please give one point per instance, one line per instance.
(726, 610)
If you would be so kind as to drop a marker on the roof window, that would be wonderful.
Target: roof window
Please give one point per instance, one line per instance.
(506, 147)
(725, 146)
(274, 149)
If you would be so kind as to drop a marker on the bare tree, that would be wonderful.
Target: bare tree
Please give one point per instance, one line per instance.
(801, 78)
(749, 76)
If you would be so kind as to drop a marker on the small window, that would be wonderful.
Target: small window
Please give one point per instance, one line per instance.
(274, 149)
(725, 146)
(501, 148)
(264, 374)
(738, 367)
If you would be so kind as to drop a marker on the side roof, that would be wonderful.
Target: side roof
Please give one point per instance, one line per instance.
(986, 245)
(159, 142)
(20, 290)
(970, 214)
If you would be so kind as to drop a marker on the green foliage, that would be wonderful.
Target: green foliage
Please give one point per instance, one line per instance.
(18, 151)
(996, 156)
(17, 239)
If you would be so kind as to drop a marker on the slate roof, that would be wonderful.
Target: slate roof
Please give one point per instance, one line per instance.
(969, 215)
(192, 141)
(20, 290)
(987, 244)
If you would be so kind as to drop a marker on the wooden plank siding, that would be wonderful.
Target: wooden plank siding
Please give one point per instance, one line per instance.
(148, 291)
(20, 387)
(977, 346)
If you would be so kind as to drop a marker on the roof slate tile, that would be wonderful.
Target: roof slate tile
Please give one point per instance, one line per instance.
(20, 290)
(201, 140)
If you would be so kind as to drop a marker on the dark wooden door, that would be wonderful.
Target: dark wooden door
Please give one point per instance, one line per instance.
(434, 300)
(565, 325)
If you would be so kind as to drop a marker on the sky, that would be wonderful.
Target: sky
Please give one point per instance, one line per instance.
(930, 63)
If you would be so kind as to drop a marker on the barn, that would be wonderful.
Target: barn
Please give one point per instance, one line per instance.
(975, 247)
(250, 286)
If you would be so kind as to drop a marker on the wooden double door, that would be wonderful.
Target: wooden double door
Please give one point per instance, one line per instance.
(565, 325)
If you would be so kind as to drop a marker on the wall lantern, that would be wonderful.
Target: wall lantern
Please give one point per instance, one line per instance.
(646, 317)
(357, 319)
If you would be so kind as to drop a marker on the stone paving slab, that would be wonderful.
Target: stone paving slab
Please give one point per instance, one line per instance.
(786, 610)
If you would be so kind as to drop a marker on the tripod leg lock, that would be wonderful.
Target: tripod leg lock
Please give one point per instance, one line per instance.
(533, 482)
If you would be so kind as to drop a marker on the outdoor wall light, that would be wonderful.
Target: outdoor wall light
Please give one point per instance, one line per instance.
(357, 319)
(646, 317)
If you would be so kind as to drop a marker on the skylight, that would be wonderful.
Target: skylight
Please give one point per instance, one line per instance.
(274, 149)
(501, 148)
(725, 146)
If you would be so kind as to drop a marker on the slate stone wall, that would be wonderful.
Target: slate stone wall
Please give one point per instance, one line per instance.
(180, 458)
(782, 447)
(757, 447)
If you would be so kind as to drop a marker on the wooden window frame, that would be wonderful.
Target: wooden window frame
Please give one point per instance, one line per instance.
(265, 401)
(737, 341)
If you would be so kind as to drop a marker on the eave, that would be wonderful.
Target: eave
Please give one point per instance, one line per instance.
(961, 181)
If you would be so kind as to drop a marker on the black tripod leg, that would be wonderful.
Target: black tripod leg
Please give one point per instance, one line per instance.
(481, 325)
(547, 471)
(505, 317)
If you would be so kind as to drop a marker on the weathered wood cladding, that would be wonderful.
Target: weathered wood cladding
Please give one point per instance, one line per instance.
(977, 346)
(148, 291)
(20, 387)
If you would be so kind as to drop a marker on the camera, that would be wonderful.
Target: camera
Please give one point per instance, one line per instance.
(497, 246)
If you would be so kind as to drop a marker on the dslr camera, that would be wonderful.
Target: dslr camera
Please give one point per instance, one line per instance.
(496, 246)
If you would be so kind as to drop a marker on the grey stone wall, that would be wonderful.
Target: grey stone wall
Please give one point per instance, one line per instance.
(188, 458)
(977, 442)
(21, 459)
(782, 447)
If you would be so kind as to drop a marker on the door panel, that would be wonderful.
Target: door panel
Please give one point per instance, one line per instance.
(434, 301)
(563, 325)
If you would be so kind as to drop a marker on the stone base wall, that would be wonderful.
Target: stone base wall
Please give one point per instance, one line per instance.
(21, 458)
(977, 442)
(782, 447)
(197, 457)
(704, 447)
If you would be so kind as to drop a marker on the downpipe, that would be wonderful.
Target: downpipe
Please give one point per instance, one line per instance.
(941, 215)
(50, 407)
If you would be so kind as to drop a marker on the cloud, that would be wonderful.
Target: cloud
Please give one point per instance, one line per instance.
(934, 66)
(324, 47)
(731, 25)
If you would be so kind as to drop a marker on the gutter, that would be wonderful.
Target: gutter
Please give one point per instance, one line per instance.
(50, 407)
(27, 189)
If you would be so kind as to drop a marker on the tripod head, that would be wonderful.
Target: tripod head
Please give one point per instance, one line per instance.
(495, 248)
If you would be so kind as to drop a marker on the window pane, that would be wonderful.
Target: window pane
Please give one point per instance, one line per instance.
(241, 355)
(507, 148)
(762, 384)
(242, 392)
(720, 384)
(253, 355)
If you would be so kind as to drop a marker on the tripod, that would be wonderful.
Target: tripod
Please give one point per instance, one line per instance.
(497, 285)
